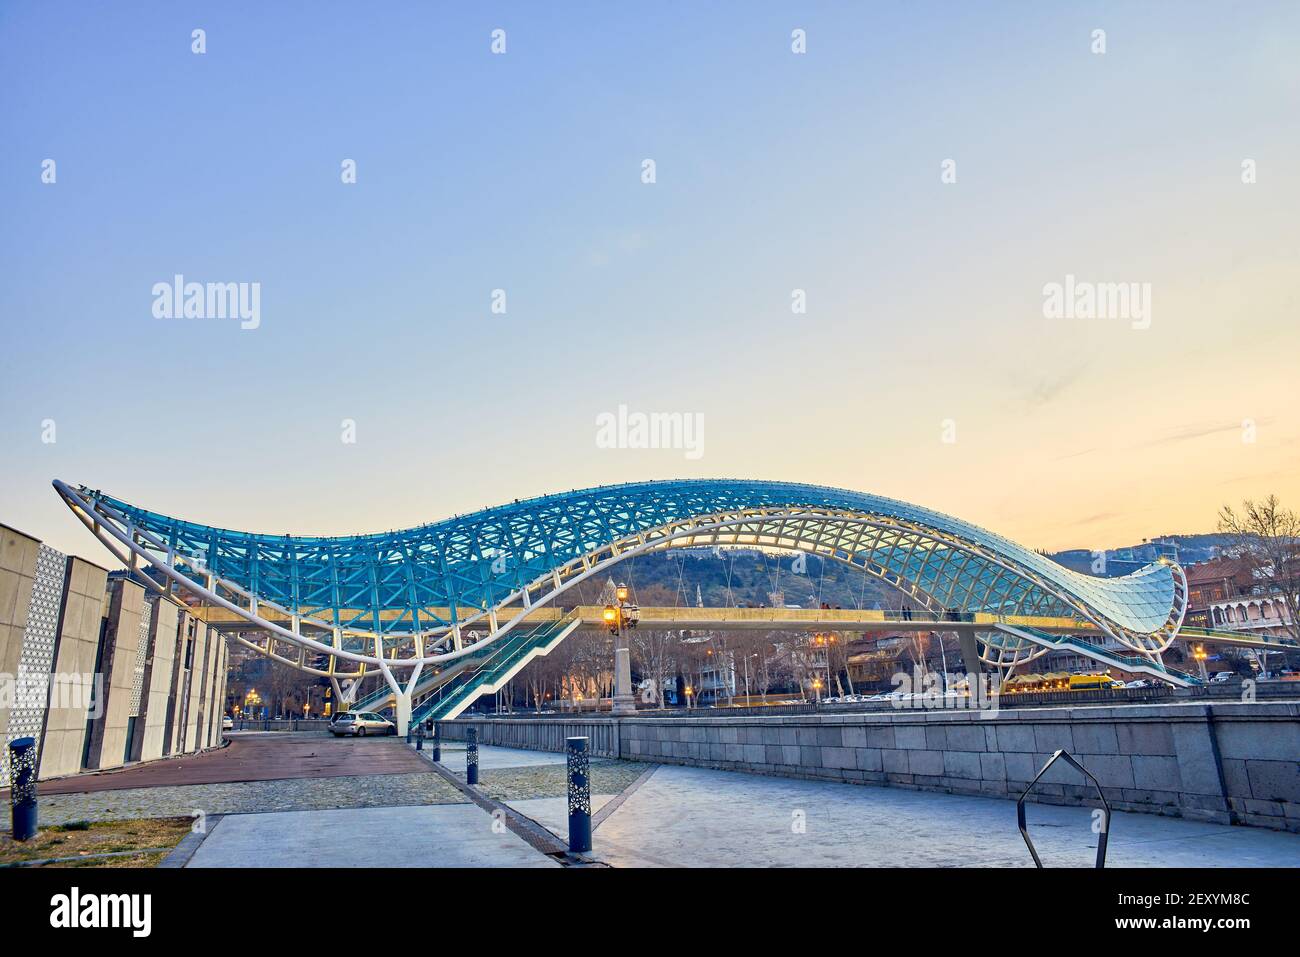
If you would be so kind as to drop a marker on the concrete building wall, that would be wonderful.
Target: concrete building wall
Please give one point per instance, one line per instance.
(1226, 763)
(178, 698)
(219, 691)
(117, 659)
(194, 695)
(94, 668)
(211, 719)
(76, 658)
(156, 689)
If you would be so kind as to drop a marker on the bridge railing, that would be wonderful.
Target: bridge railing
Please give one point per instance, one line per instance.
(538, 735)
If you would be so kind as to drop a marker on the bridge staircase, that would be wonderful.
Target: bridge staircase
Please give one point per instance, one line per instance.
(501, 661)
(1130, 663)
(444, 694)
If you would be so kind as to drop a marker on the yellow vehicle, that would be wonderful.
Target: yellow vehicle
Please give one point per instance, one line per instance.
(1087, 682)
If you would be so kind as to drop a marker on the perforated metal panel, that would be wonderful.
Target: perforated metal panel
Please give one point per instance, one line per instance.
(141, 653)
(36, 659)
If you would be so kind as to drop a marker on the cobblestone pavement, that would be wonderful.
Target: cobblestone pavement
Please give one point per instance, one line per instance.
(379, 790)
(549, 780)
(502, 778)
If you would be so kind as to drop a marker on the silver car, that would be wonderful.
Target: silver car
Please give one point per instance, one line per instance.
(361, 723)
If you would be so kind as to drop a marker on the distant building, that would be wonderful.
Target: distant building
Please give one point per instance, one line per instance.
(1211, 583)
(1117, 562)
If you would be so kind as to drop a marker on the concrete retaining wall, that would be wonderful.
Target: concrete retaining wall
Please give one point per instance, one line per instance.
(1226, 763)
(281, 724)
(541, 734)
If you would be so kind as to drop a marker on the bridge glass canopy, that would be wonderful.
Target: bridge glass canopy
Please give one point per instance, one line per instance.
(413, 581)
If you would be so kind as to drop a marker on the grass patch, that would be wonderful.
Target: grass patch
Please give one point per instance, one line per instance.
(81, 839)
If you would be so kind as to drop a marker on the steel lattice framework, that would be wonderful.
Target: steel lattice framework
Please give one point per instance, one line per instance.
(400, 599)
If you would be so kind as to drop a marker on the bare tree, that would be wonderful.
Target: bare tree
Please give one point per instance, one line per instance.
(654, 652)
(655, 655)
(837, 660)
(1267, 536)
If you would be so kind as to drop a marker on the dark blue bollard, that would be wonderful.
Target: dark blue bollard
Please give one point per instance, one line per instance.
(471, 755)
(22, 787)
(419, 738)
(437, 743)
(575, 750)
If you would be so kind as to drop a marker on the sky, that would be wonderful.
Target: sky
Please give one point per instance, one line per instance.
(920, 176)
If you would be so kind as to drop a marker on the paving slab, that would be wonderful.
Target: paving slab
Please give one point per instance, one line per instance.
(553, 813)
(699, 817)
(440, 836)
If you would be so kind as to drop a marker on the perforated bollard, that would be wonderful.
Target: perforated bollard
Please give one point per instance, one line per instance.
(471, 755)
(419, 738)
(22, 794)
(575, 750)
(437, 743)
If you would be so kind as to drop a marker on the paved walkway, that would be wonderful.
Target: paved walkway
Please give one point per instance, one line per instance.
(377, 790)
(697, 817)
(256, 756)
(398, 812)
(448, 836)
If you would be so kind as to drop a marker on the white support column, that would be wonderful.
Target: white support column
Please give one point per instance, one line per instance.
(402, 711)
(401, 696)
(339, 703)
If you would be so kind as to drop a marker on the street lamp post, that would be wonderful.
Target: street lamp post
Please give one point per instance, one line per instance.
(621, 618)
(824, 641)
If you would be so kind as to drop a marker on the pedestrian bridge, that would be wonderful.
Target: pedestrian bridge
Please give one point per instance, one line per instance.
(409, 602)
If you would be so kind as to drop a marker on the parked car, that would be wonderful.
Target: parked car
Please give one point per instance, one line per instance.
(361, 723)
(227, 723)
(1138, 683)
(1223, 677)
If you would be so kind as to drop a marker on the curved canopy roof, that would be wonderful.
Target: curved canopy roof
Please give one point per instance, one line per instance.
(478, 560)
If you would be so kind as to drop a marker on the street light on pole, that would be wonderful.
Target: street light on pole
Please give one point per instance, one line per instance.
(620, 619)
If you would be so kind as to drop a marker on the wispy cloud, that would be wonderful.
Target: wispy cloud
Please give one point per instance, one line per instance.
(1192, 432)
(1042, 389)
